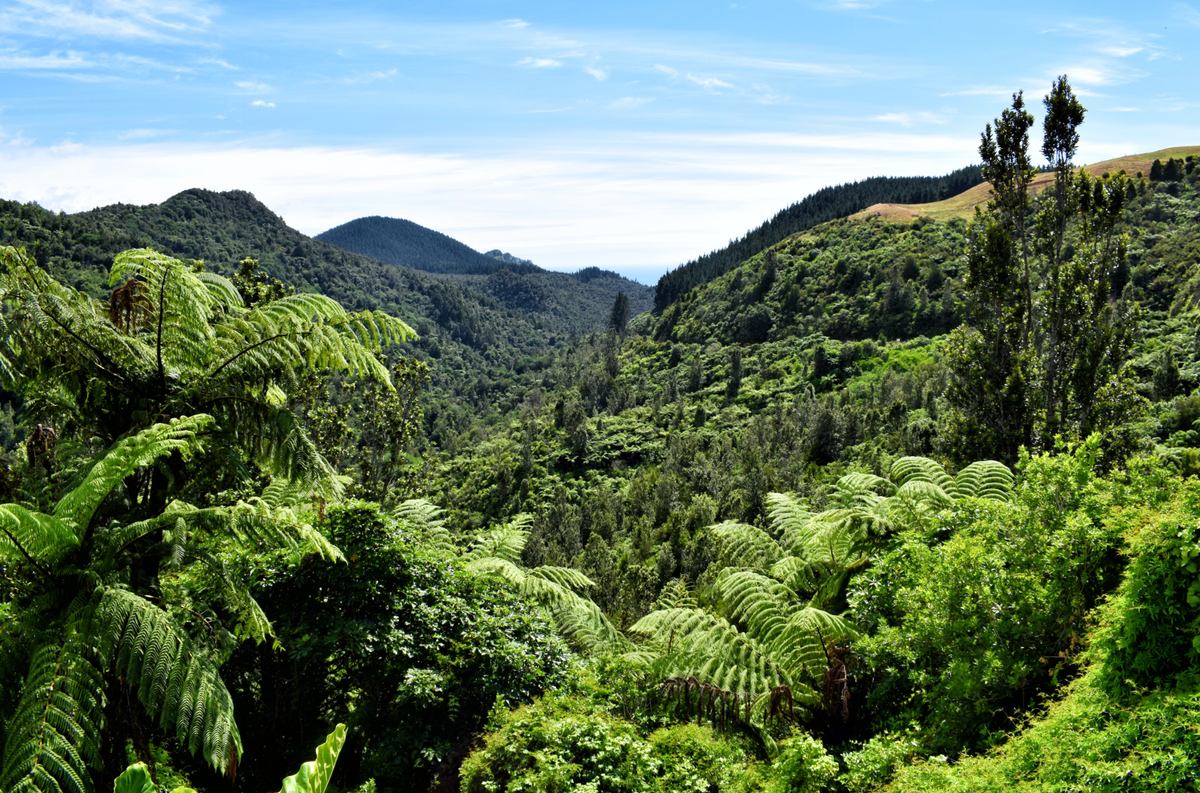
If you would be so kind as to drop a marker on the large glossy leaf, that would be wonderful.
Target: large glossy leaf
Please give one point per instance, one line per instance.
(135, 779)
(314, 776)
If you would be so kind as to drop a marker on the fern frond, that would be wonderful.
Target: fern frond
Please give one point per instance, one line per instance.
(425, 520)
(54, 735)
(565, 577)
(762, 604)
(504, 542)
(122, 459)
(34, 537)
(746, 546)
(419, 512)
(586, 627)
(801, 645)
(984, 479)
(790, 518)
(276, 439)
(861, 490)
(697, 644)
(497, 566)
(254, 523)
(172, 679)
(910, 469)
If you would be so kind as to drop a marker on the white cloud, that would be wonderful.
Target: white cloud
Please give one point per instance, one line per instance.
(981, 90)
(1188, 14)
(140, 134)
(607, 200)
(251, 87)
(371, 77)
(1118, 51)
(216, 62)
(539, 63)
(911, 119)
(706, 82)
(667, 70)
(630, 102)
(152, 20)
(261, 103)
(14, 59)
(596, 72)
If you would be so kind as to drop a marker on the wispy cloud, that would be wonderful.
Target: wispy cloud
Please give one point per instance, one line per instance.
(667, 70)
(261, 103)
(216, 62)
(706, 82)
(630, 102)
(981, 90)
(13, 59)
(596, 72)
(911, 119)
(251, 87)
(371, 77)
(1188, 14)
(140, 134)
(1110, 39)
(539, 63)
(1101, 74)
(170, 20)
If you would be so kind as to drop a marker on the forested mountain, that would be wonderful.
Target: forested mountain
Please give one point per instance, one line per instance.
(573, 304)
(404, 243)
(826, 204)
(904, 505)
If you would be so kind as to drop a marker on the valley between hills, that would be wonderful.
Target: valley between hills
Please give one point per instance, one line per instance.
(897, 492)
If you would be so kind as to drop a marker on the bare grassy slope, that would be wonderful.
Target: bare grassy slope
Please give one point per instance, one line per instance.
(963, 205)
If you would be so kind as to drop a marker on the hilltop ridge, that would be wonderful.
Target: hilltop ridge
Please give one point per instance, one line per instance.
(963, 205)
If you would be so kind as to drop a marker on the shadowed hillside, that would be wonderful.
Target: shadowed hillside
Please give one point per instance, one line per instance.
(573, 304)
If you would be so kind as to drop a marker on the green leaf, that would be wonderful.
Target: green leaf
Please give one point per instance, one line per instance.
(314, 776)
(136, 779)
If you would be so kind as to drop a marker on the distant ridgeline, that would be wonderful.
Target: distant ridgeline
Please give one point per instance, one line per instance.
(826, 204)
(404, 243)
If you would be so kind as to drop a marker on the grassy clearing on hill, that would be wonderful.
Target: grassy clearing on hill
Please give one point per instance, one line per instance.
(963, 205)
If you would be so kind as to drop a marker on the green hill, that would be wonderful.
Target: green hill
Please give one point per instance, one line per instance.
(826, 204)
(404, 243)
(573, 304)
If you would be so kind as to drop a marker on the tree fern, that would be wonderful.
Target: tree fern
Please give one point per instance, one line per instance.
(746, 546)
(984, 479)
(170, 677)
(122, 459)
(190, 347)
(54, 735)
(32, 537)
(424, 519)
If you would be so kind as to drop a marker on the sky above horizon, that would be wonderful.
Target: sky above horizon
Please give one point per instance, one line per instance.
(629, 136)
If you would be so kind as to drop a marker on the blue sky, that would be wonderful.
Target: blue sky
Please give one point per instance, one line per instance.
(628, 135)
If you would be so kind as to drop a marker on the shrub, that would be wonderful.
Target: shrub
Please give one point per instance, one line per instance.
(802, 767)
(694, 760)
(561, 743)
(1150, 632)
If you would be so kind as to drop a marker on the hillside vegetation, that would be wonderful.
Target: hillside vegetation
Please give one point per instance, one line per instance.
(826, 204)
(404, 243)
(884, 505)
(572, 303)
